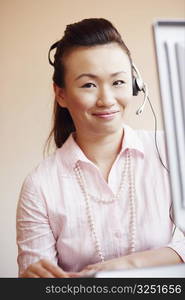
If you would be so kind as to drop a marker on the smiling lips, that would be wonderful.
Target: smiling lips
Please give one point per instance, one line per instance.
(106, 114)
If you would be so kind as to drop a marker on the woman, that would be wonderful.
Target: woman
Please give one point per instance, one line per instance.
(102, 200)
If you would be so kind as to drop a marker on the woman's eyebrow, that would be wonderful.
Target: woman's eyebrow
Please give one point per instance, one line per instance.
(95, 76)
(86, 75)
(117, 73)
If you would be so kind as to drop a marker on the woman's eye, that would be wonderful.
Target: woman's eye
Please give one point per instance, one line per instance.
(118, 82)
(88, 85)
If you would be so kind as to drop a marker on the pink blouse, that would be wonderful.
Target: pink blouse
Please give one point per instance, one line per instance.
(52, 219)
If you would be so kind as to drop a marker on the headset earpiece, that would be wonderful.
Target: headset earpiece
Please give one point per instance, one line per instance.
(136, 89)
(138, 83)
(139, 86)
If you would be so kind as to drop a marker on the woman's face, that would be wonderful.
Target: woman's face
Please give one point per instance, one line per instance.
(98, 86)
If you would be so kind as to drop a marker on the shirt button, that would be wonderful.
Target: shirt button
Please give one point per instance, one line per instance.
(118, 234)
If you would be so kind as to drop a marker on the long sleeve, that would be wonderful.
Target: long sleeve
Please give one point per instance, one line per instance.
(35, 239)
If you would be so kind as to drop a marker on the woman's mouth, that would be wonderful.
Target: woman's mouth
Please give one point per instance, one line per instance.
(106, 114)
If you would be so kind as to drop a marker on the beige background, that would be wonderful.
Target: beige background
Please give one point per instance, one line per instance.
(27, 29)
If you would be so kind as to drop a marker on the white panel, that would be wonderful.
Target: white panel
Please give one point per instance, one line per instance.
(170, 53)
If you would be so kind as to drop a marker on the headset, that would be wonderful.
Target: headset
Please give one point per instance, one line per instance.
(139, 86)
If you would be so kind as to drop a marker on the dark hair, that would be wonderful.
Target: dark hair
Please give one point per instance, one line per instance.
(88, 32)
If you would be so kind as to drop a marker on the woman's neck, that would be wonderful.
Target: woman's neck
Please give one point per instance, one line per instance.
(101, 150)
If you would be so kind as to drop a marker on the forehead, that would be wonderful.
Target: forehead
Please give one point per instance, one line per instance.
(102, 58)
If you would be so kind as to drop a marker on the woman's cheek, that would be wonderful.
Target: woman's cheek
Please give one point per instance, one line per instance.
(124, 97)
(87, 100)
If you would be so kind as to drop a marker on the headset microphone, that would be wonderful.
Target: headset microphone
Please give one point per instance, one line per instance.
(145, 91)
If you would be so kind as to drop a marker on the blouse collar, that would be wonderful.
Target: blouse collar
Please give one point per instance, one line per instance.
(70, 153)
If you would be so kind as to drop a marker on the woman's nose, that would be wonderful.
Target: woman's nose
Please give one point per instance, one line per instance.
(105, 98)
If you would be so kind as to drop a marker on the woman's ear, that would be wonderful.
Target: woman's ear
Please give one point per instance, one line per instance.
(59, 95)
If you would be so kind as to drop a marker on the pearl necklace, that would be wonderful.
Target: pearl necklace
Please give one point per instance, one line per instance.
(132, 207)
